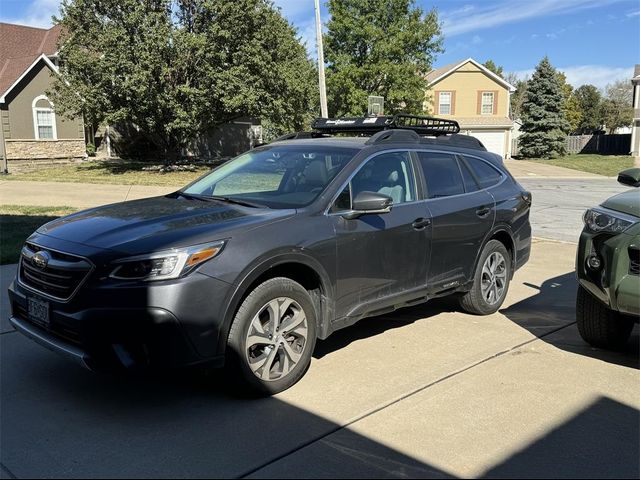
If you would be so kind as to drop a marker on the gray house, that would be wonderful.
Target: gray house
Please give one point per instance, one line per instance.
(29, 126)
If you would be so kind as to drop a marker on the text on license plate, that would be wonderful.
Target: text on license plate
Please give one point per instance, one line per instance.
(38, 310)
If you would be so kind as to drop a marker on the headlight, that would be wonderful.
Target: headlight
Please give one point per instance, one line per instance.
(607, 221)
(165, 265)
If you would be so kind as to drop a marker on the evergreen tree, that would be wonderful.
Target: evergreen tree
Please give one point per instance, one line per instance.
(544, 124)
(379, 47)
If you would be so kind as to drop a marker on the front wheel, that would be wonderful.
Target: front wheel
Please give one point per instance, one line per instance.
(490, 281)
(272, 337)
(598, 325)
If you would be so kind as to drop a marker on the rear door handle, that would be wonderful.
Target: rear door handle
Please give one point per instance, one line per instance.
(482, 212)
(421, 223)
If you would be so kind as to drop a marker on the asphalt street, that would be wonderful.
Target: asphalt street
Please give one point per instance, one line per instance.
(558, 204)
(423, 392)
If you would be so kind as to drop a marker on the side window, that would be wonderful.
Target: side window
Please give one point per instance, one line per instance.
(343, 202)
(388, 173)
(470, 184)
(442, 174)
(487, 175)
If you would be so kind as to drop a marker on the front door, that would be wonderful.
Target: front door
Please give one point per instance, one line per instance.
(381, 257)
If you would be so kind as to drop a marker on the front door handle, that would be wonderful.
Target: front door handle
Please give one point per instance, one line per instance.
(482, 212)
(421, 223)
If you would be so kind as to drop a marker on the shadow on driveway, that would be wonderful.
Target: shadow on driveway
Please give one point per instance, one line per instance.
(554, 306)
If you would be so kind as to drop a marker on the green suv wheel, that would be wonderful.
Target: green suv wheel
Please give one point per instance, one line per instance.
(598, 325)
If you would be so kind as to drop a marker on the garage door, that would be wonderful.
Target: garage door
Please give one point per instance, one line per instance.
(493, 141)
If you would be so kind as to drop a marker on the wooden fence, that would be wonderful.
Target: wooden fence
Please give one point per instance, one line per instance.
(602, 144)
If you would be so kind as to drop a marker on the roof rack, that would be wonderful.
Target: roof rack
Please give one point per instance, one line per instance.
(422, 125)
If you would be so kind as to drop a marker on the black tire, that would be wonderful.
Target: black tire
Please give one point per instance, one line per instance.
(237, 362)
(598, 325)
(473, 301)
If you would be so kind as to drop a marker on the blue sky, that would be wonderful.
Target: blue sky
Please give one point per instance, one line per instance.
(592, 41)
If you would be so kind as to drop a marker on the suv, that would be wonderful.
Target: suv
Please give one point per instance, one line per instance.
(250, 264)
(608, 268)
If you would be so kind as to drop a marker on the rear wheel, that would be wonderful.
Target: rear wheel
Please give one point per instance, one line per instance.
(598, 325)
(491, 280)
(272, 337)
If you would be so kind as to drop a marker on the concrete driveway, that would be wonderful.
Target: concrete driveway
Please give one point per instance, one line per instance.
(423, 392)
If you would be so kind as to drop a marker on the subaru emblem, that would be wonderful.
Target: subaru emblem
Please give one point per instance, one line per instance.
(41, 259)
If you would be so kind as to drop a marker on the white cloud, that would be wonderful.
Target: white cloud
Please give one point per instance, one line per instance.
(459, 22)
(633, 14)
(577, 75)
(476, 40)
(37, 14)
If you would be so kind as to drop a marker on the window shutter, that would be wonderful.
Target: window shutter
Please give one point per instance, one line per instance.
(495, 102)
(453, 102)
(436, 102)
(479, 103)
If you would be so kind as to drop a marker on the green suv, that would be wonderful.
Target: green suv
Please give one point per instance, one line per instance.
(608, 268)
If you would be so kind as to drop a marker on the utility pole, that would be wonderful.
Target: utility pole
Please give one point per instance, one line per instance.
(323, 88)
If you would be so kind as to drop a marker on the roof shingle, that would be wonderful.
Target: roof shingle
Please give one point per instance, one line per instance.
(20, 46)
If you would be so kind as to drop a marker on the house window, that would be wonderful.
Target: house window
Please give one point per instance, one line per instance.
(444, 103)
(44, 119)
(487, 103)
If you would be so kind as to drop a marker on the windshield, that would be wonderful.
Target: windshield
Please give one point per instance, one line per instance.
(285, 176)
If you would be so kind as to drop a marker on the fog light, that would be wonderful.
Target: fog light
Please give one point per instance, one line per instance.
(594, 262)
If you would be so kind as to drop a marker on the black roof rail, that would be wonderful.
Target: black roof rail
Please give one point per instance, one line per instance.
(422, 125)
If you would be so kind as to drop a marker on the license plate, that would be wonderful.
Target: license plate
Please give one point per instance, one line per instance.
(38, 310)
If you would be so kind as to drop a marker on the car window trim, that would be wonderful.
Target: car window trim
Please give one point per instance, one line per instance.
(327, 210)
(503, 176)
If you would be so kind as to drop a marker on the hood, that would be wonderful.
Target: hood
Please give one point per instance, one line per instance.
(627, 202)
(152, 224)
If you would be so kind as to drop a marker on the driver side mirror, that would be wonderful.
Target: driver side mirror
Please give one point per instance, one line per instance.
(369, 203)
(630, 177)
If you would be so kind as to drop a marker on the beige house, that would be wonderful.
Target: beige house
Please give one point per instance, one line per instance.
(29, 126)
(477, 99)
(635, 129)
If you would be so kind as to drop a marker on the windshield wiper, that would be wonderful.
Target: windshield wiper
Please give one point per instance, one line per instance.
(220, 198)
(236, 201)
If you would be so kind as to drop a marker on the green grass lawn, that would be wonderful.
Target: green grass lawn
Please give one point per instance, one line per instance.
(119, 172)
(608, 165)
(18, 222)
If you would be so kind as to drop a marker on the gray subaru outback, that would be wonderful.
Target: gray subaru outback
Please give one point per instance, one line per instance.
(249, 265)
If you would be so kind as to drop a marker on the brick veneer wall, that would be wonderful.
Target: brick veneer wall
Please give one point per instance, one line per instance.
(44, 149)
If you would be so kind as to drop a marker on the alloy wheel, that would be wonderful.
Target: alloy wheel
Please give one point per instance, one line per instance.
(494, 278)
(276, 339)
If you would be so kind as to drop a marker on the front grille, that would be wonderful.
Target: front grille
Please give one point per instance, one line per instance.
(61, 276)
(634, 261)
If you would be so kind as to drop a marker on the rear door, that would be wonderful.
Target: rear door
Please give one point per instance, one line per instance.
(462, 215)
(381, 257)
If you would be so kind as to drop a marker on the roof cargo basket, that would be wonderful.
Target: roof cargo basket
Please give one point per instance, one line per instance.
(422, 125)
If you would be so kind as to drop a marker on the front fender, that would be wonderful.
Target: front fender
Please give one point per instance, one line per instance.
(260, 267)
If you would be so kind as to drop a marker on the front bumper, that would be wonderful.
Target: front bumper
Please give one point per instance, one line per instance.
(109, 324)
(613, 283)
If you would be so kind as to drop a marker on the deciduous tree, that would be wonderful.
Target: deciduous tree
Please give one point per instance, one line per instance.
(379, 47)
(175, 69)
(589, 99)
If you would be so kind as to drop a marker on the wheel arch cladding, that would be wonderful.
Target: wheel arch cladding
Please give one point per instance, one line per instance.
(302, 270)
